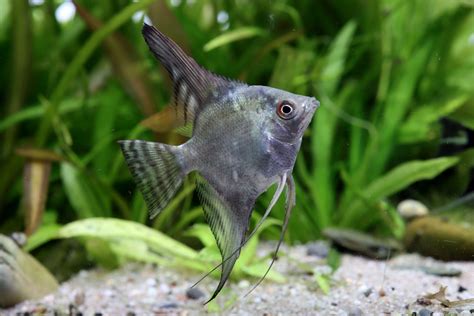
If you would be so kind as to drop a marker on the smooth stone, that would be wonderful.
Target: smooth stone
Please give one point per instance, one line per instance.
(317, 249)
(22, 277)
(424, 312)
(355, 312)
(169, 305)
(194, 293)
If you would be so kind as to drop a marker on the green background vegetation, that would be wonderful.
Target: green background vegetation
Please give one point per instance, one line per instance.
(395, 80)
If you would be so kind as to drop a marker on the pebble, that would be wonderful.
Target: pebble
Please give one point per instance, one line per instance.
(79, 297)
(424, 312)
(355, 312)
(465, 313)
(165, 288)
(169, 305)
(365, 290)
(317, 249)
(194, 293)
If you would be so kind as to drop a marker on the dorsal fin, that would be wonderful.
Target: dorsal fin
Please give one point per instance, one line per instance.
(193, 85)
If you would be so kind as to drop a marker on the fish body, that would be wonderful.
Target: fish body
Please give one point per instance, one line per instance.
(245, 138)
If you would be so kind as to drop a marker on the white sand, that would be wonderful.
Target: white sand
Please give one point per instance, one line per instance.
(360, 286)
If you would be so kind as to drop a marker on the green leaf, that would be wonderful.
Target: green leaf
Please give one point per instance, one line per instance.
(41, 236)
(111, 228)
(405, 174)
(336, 59)
(394, 181)
(232, 36)
(291, 67)
(101, 252)
(334, 259)
(323, 282)
(465, 115)
(203, 233)
(258, 269)
(85, 196)
(323, 130)
(104, 124)
(37, 111)
(250, 249)
(418, 126)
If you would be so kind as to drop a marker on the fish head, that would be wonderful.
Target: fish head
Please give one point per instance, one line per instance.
(287, 114)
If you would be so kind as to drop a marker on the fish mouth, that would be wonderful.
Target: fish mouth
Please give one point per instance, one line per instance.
(314, 104)
(308, 113)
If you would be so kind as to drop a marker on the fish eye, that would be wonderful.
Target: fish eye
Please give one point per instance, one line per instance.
(286, 110)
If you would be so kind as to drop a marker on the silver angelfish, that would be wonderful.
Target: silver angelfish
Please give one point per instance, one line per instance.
(244, 139)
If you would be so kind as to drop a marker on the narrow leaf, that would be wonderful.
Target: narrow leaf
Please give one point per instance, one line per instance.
(233, 36)
(394, 181)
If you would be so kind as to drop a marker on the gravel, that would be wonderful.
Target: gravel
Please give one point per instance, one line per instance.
(359, 287)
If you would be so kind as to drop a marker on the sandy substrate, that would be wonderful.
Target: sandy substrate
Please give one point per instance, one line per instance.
(359, 287)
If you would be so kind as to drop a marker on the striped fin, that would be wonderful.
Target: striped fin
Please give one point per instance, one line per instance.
(228, 219)
(156, 172)
(193, 85)
(276, 196)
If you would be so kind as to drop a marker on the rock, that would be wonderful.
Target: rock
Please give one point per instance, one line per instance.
(79, 297)
(435, 237)
(194, 293)
(355, 312)
(317, 249)
(441, 270)
(22, 277)
(424, 312)
(169, 306)
(365, 290)
(412, 208)
(19, 238)
(361, 243)
(244, 284)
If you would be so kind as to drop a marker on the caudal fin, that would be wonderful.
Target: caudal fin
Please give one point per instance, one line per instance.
(156, 171)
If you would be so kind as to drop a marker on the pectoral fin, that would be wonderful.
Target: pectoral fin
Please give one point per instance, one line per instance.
(290, 202)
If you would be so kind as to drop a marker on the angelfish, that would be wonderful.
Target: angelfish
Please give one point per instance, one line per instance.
(244, 139)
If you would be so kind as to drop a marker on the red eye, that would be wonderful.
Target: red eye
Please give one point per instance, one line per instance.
(286, 110)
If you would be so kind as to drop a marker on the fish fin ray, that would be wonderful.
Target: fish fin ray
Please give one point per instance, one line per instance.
(275, 198)
(155, 170)
(192, 84)
(228, 223)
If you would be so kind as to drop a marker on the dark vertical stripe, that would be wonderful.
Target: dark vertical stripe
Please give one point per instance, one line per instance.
(169, 166)
(152, 188)
(177, 88)
(185, 102)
